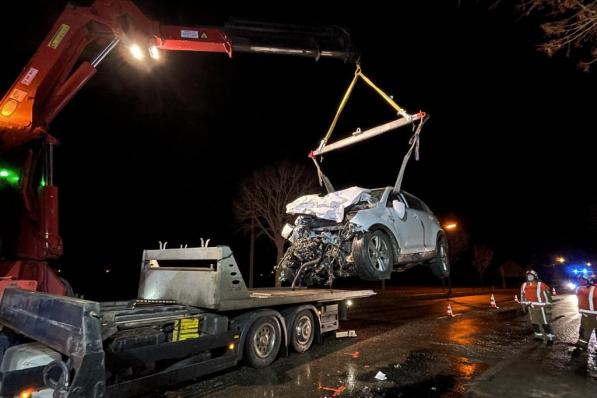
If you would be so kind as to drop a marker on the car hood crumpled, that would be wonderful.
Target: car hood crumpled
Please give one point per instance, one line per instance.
(330, 206)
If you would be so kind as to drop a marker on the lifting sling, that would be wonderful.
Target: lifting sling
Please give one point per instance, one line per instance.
(404, 119)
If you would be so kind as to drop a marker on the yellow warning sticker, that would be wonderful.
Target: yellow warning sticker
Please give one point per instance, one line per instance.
(185, 329)
(18, 95)
(204, 35)
(57, 39)
(8, 108)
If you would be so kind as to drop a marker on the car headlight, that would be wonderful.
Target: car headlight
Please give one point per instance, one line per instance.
(287, 231)
(571, 286)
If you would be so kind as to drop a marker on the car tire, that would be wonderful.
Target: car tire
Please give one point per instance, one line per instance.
(440, 265)
(373, 256)
(263, 342)
(303, 331)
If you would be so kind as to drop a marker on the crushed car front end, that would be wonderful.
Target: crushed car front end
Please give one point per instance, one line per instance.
(353, 232)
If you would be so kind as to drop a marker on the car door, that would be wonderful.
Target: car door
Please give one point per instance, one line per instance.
(409, 229)
(430, 223)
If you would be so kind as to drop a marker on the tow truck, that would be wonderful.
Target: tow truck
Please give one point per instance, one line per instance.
(194, 314)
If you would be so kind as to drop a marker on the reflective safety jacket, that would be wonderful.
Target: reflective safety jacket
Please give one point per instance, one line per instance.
(535, 293)
(587, 299)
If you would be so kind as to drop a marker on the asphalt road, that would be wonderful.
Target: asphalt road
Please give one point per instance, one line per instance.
(481, 352)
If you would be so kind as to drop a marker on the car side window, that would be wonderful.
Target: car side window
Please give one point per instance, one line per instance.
(415, 203)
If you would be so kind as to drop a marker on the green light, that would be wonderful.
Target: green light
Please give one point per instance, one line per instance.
(11, 177)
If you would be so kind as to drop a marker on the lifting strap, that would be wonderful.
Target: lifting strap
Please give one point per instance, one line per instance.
(359, 74)
(414, 145)
(359, 136)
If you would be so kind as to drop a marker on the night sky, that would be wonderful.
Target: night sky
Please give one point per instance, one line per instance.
(158, 153)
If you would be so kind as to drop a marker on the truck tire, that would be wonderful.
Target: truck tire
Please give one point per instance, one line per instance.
(303, 331)
(373, 257)
(440, 265)
(263, 342)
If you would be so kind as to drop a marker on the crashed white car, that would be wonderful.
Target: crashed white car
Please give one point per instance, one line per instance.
(364, 232)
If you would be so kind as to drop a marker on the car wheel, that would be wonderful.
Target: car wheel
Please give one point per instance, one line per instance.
(263, 342)
(373, 256)
(303, 331)
(440, 265)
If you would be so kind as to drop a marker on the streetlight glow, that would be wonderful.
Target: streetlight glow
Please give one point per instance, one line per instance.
(561, 260)
(451, 226)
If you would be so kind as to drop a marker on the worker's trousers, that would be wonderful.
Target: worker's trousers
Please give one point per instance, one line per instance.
(541, 319)
(588, 323)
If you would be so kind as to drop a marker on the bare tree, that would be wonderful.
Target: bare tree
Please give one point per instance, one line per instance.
(569, 25)
(482, 256)
(458, 241)
(510, 269)
(263, 197)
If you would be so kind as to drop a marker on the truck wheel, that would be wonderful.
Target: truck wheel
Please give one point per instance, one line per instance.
(372, 255)
(440, 265)
(303, 331)
(263, 342)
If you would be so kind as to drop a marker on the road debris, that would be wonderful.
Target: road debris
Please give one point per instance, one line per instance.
(354, 355)
(381, 376)
(347, 333)
(336, 391)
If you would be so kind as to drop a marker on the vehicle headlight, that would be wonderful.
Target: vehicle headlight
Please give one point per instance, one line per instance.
(287, 231)
(571, 286)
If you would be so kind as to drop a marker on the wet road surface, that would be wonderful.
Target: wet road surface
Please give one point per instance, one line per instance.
(423, 353)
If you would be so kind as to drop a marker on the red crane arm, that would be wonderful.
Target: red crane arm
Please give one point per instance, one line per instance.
(67, 58)
(83, 36)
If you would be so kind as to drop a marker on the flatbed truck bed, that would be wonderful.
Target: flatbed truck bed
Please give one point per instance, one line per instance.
(193, 316)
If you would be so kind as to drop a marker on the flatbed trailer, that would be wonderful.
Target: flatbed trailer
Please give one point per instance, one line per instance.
(193, 316)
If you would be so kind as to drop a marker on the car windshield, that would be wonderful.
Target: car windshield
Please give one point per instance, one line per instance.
(377, 193)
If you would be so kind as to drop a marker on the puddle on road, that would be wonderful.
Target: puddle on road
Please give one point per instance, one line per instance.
(424, 373)
(454, 361)
(463, 330)
(439, 386)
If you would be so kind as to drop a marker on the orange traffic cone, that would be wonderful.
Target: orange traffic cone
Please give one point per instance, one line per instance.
(492, 303)
(450, 313)
(516, 298)
(553, 291)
